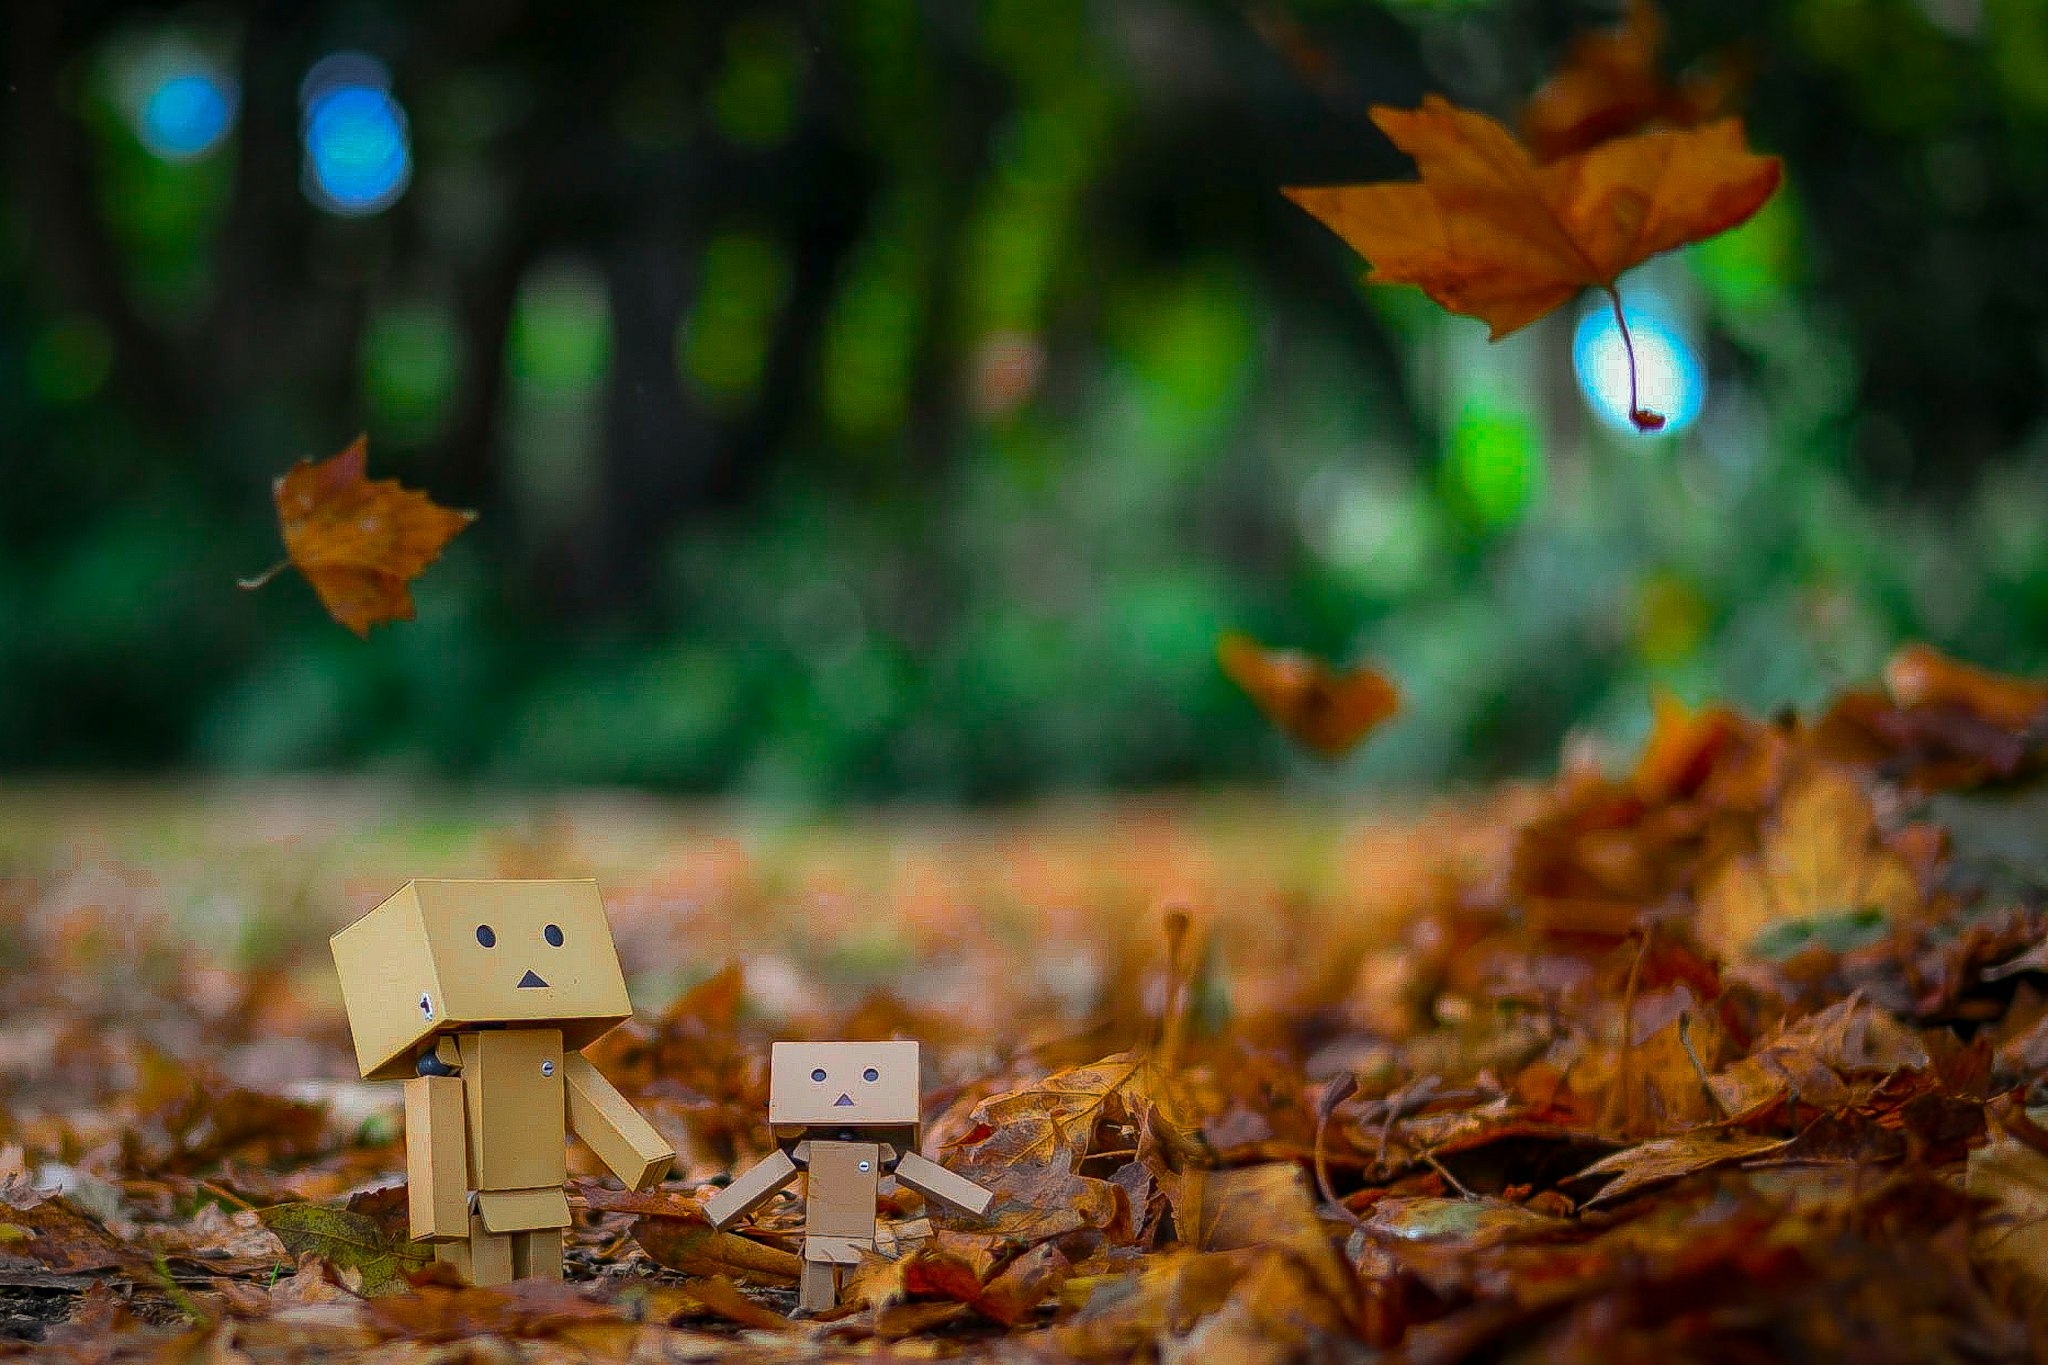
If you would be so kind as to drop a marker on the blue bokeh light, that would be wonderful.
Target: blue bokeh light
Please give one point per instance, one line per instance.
(185, 114)
(1670, 378)
(358, 149)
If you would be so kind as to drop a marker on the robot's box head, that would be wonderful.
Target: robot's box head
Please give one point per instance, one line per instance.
(442, 956)
(857, 1085)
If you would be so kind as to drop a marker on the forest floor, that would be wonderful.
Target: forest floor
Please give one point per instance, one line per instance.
(1719, 1051)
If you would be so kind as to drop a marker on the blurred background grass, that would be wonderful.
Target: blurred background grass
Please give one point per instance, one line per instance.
(877, 399)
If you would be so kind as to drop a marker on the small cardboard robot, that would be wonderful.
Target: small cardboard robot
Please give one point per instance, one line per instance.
(843, 1114)
(481, 995)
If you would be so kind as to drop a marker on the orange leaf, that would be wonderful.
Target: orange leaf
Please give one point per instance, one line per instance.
(359, 542)
(1920, 675)
(1326, 710)
(1682, 747)
(1609, 87)
(1490, 234)
(1823, 857)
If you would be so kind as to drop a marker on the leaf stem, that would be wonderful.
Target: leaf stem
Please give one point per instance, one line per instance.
(1644, 419)
(1181, 965)
(1707, 1086)
(176, 1292)
(1339, 1089)
(250, 584)
(1623, 1093)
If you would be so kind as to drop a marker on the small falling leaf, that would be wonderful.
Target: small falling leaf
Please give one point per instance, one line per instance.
(359, 542)
(1326, 710)
(349, 1241)
(1489, 233)
(1610, 86)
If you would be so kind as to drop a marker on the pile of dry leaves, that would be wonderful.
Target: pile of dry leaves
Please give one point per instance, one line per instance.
(1726, 1057)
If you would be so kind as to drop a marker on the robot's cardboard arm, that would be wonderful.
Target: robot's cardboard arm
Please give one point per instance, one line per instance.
(941, 1186)
(614, 1129)
(436, 1158)
(764, 1180)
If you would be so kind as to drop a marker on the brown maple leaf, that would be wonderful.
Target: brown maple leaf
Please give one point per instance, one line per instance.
(1489, 233)
(1920, 675)
(359, 542)
(1327, 710)
(1610, 86)
(1829, 1060)
(1824, 858)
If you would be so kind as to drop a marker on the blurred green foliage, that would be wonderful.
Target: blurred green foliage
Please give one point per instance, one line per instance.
(893, 398)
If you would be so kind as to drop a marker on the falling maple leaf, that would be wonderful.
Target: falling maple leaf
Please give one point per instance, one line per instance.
(360, 542)
(1489, 233)
(1327, 710)
(1610, 86)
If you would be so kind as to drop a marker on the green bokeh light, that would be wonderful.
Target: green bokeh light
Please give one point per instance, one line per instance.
(69, 361)
(723, 344)
(873, 332)
(412, 359)
(1189, 342)
(1754, 265)
(754, 99)
(2017, 44)
(1493, 462)
(561, 340)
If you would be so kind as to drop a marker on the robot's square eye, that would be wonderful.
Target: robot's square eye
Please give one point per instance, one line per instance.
(818, 1073)
(871, 1075)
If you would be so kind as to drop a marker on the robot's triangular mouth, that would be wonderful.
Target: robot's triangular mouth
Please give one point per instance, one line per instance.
(532, 978)
(844, 1099)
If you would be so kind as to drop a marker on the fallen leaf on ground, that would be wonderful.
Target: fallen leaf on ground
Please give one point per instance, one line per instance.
(447, 1310)
(1827, 1060)
(1824, 866)
(1920, 675)
(48, 1232)
(349, 1241)
(1652, 1163)
(694, 1247)
(2011, 1239)
(719, 1295)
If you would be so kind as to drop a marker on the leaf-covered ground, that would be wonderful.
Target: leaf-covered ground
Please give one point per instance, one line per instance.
(1721, 1051)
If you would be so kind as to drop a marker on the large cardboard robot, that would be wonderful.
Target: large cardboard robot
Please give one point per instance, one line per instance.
(481, 995)
(844, 1115)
